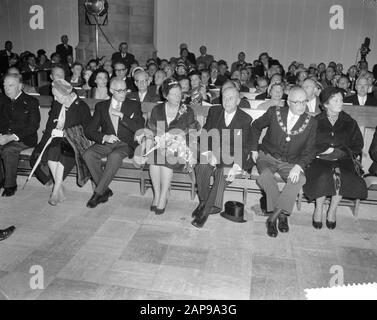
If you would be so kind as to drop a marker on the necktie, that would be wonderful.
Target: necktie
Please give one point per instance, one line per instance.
(228, 119)
(291, 121)
(115, 119)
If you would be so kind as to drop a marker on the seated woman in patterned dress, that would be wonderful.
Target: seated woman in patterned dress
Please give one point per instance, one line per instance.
(171, 115)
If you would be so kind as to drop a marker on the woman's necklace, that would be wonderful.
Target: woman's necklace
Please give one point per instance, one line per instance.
(333, 118)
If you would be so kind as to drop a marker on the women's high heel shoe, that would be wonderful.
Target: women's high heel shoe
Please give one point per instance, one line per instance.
(161, 211)
(330, 225)
(53, 201)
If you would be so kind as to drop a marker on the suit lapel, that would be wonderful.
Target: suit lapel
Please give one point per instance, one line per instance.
(284, 115)
(300, 122)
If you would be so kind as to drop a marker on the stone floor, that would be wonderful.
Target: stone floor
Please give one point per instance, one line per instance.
(120, 250)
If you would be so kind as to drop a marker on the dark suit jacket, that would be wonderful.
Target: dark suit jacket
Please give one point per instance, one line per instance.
(300, 150)
(151, 96)
(239, 128)
(21, 118)
(128, 60)
(373, 154)
(64, 52)
(371, 101)
(101, 124)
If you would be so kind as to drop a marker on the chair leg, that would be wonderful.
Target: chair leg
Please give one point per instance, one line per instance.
(244, 196)
(142, 184)
(299, 201)
(356, 208)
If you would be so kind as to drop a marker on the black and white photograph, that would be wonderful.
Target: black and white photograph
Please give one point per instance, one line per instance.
(188, 156)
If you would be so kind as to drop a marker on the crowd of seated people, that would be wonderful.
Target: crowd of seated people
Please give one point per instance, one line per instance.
(304, 109)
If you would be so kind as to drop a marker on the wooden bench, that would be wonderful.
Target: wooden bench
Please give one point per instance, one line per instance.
(365, 116)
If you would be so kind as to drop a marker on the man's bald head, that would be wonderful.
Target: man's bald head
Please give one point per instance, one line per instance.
(12, 85)
(297, 100)
(118, 89)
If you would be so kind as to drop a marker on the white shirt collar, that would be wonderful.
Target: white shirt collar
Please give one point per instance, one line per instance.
(18, 96)
(292, 115)
(142, 95)
(311, 104)
(362, 100)
(228, 117)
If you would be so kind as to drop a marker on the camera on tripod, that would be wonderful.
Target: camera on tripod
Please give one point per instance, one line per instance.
(365, 49)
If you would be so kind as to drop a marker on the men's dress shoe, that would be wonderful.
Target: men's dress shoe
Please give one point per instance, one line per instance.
(272, 231)
(199, 208)
(8, 192)
(6, 232)
(96, 199)
(199, 221)
(317, 225)
(330, 225)
(153, 208)
(159, 211)
(283, 223)
(109, 193)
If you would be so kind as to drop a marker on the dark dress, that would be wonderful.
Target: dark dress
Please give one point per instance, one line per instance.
(184, 121)
(60, 149)
(321, 175)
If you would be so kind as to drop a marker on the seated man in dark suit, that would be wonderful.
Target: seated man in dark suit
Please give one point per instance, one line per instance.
(64, 49)
(362, 97)
(231, 149)
(312, 92)
(19, 122)
(118, 118)
(123, 56)
(144, 93)
(244, 103)
(287, 148)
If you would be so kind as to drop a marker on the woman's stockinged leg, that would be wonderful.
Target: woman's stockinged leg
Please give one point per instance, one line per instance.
(331, 213)
(318, 212)
(154, 172)
(166, 178)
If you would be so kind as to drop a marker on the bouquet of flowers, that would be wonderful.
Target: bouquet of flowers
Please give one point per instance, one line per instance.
(174, 146)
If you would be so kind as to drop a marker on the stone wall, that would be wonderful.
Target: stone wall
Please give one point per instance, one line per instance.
(129, 20)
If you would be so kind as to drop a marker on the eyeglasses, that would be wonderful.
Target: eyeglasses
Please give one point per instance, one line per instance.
(120, 91)
(296, 103)
(141, 81)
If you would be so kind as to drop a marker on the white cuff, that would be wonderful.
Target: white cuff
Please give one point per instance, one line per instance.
(16, 138)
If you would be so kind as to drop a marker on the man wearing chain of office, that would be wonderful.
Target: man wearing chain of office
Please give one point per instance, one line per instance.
(287, 148)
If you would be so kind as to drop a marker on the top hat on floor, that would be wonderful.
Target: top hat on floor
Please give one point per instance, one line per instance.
(234, 211)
